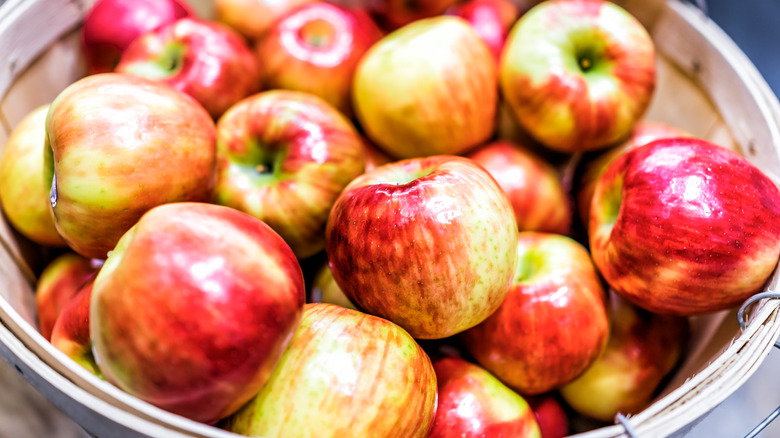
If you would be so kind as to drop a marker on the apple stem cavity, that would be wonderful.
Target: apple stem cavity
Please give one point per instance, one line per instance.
(318, 33)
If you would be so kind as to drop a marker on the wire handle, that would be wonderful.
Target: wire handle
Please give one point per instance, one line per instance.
(749, 302)
(623, 421)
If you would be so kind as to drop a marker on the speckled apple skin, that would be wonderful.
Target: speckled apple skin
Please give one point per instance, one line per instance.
(683, 226)
(428, 243)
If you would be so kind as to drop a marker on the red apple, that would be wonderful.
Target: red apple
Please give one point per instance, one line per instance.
(253, 18)
(194, 307)
(492, 19)
(578, 74)
(428, 88)
(23, 193)
(683, 226)
(643, 349)
(111, 25)
(71, 330)
(207, 60)
(118, 145)
(393, 14)
(531, 183)
(325, 289)
(58, 283)
(428, 243)
(552, 418)
(593, 167)
(316, 49)
(345, 374)
(552, 324)
(473, 403)
(284, 157)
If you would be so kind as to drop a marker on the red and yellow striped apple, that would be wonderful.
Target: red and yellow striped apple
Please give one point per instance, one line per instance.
(71, 330)
(491, 19)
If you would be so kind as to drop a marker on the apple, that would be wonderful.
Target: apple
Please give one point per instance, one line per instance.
(111, 25)
(553, 322)
(594, 166)
(492, 20)
(71, 330)
(473, 403)
(393, 14)
(532, 184)
(325, 289)
(683, 226)
(578, 74)
(23, 194)
(428, 243)
(284, 157)
(345, 373)
(207, 60)
(58, 283)
(643, 349)
(550, 414)
(429, 88)
(253, 18)
(194, 307)
(374, 156)
(316, 49)
(117, 145)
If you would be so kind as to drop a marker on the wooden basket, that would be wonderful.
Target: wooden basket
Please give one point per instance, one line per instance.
(707, 87)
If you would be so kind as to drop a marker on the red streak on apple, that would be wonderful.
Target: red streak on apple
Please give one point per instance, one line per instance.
(194, 307)
(683, 226)
(491, 19)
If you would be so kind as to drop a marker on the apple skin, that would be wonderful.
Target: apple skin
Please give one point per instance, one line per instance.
(316, 49)
(206, 60)
(532, 184)
(473, 403)
(117, 145)
(222, 295)
(429, 88)
(71, 330)
(683, 226)
(284, 157)
(578, 74)
(111, 25)
(23, 194)
(553, 322)
(594, 166)
(428, 243)
(58, 283)
(492, 20)
(643, 349)
(552, 418)
(347, 374)
(394, 14)
(253, 18)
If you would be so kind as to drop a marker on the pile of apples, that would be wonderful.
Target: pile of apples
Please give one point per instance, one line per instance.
(392, 219)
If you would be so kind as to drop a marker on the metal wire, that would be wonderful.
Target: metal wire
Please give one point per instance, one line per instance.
(623, 421)
(749, 302)
(761, 426)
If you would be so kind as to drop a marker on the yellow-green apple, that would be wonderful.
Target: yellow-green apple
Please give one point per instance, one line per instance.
(204, 59)
(643, 349)
(532, 184)
(71, 330)
(284, 157)
(578, 74)
(345, 374)
(684, 226)
(325, 289)
(111, 25)
(593, 165)
(316, 49)
(492, 20)
(23, 193)
(428, 88)
(474, 403)
(428, 243)
(194, 307)
(57, 284)
(553, 322)
(118, 145)
(393, 14)
(253, 18)
(552, 417)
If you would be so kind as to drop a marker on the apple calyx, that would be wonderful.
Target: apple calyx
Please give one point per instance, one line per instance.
(317, 33)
